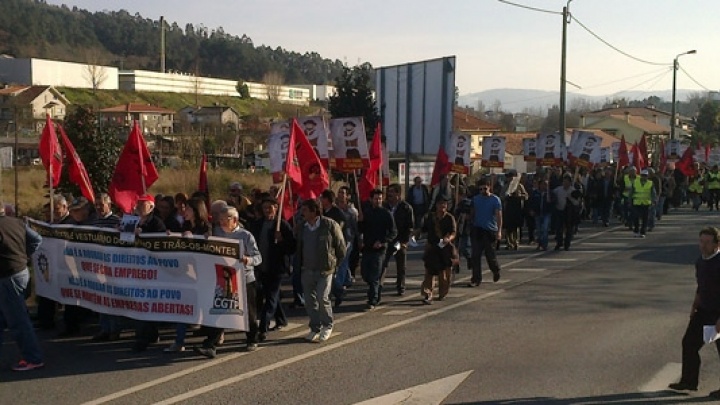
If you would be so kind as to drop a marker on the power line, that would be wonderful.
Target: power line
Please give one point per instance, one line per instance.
(626, 78)
(656, 78)
(530, 8)
(692, 78)
(614, 47)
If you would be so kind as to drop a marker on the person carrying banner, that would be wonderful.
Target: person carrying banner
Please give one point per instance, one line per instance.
(17, 243)
(231, 228)
(320, 246)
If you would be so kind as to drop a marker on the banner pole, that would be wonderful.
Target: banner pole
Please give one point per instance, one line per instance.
(282, 201)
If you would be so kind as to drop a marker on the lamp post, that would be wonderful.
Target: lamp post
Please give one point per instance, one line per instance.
(563, 70)
(674, 86)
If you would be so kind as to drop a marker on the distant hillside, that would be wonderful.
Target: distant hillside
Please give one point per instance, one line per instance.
(32, 28)
(518, 100)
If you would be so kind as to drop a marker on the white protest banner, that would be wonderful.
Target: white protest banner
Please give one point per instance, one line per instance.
(549, 150)
(349, 141)
(278, 143)
(316, 132)
(459, 153)
(701, 154)
(604, 156)
(530, 149)
(586, 148)
(714, 156)
(615, 151)
(493, 151)
(189, 280)
(423, 170)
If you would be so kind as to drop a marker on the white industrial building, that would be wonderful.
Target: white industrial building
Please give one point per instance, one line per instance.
(43, 72)
(318, 92)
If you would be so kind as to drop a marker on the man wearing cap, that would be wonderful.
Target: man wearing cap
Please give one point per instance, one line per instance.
(643, 195)
(17, 243)
(146, 332)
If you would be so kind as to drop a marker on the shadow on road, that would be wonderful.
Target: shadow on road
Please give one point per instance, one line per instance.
(662, 397)
(673, 254)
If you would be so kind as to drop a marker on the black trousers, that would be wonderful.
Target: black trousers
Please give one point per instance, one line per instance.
(272, 307)
(213, 334)
(483, 242)
(46, 312)
(692, 342)
(641, 218)
(401, 265)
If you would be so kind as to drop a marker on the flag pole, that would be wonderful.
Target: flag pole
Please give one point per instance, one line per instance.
(282, 201)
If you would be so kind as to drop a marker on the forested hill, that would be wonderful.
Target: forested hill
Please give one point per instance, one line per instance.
(32, 28)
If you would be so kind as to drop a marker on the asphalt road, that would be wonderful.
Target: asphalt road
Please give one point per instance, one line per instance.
(601, 323)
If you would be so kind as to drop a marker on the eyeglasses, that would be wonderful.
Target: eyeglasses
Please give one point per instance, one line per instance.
(484, 188)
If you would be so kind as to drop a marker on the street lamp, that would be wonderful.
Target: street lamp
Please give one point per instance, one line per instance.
(672, 110)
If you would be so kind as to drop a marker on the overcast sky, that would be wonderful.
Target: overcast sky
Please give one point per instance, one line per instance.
(497, 45)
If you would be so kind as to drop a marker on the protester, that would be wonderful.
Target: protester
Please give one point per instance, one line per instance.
(643, 195)
(343, 277)
(378, 230)
(402, 214)
(464, 226)
(321, 246)
(165, 209)
(514, 196)
(541, 209)
(566, 212)
(110, 325)
(487, 230)
(705, 310)
(418, 196)
(17, 243)
(439, 253)
(231, 228)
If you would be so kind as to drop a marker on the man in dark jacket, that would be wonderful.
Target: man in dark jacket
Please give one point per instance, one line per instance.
(275, 248)
(17, 242)
(402, 214)
(418, 196)
(378, 229)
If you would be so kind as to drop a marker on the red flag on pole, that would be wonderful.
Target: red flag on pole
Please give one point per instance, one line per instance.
(623, 159)
(442, 166)
(314, 178)
(288, 204)
(685, 164)
(134, 172)
(371, 177)
(642, 147)
(638, 158)
(707, 153)
(50, 153)
(76, 169)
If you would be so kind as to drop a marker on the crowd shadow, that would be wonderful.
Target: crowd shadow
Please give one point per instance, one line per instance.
(661, 397)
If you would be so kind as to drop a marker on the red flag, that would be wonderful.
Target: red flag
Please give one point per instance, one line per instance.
(288, 203)
(314, 178)
(663, 157)
(370, 178)
(442, 166)
(707, 153)
(623, 159)
(50, 153)
(76, 169)
(642, 147)
(638, 158)
(134, 172)
(685, 164)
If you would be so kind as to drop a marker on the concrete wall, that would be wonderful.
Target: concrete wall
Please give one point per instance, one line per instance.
(43, 72)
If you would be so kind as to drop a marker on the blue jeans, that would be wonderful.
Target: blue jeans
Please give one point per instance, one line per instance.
(542, 226)
(371, 269)
(342, 277)
(14, 316)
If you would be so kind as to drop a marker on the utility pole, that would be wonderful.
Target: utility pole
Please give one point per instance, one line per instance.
(162, 44)
(563, 70)
(674, 87)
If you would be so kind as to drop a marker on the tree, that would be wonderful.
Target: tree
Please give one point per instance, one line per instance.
(354, 97)
(273, 83)
(707, 120)
(95, 73)
(98, 148)
(242, 89)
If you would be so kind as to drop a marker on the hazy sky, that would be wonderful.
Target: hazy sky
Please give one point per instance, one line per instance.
(497, 45)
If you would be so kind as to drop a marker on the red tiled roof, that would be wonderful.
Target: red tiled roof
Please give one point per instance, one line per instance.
(514, 141)
(137, 108)
(638, 111)
(12, 90)
(464, 121)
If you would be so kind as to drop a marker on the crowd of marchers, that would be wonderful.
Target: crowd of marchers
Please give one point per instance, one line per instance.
(321, 248)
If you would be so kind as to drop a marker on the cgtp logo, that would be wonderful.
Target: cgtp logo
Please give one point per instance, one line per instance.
(226, 299)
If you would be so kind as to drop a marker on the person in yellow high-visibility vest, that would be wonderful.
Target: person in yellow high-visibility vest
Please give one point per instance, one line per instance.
(643, 195)
(695, 189)
(626, 185)
(712, 186)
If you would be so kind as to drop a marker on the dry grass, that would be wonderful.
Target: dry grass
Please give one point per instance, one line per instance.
(31, 194)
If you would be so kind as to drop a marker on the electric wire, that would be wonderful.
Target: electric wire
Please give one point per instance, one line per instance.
(656, 79)
(692, 78)
(530, 8)
(614, 47)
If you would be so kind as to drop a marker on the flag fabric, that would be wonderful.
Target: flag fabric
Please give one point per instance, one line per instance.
(288, 203)
(134, 172)
(623, 159)
(76, 169)
(305, 169)
(442, 167)
(707, 153)
(685, 164)
(642, 147)
(638, 158)
(50, 152)
(370, 178)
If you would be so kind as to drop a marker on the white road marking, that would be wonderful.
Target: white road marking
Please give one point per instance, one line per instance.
(670, 373)
(590, 251)
(455, 295)
(322, 349)
(528, 269)
(398, 312)
(604, 243)
(557, 259)
(432, 393)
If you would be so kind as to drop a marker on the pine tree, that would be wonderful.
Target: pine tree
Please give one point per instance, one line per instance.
(354, 97)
